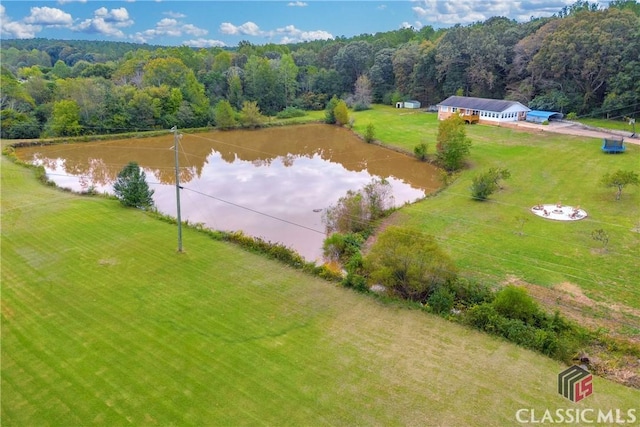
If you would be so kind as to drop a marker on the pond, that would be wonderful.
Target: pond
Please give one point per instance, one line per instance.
(271, 183)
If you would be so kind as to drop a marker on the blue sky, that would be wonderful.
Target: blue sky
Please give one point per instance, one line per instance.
(207, 23)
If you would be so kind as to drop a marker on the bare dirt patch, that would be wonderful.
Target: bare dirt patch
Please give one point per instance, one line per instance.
(392, 219)
(619, 321)
(570, 300)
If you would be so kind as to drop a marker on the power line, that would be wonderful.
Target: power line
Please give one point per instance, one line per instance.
(256, 211)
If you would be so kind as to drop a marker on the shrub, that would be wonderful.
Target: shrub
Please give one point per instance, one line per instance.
(420, 151)
(470, 292)
(572, 116)
(410, 264)
(441, 300)
(250, 115)
(341, 247)
(329, 111)
(291, 112)
(341, 113)
(224, 115)
(485, 184)
(354, 212)
(482, 187)
(369, 133)
(515, 303)
(355, 281)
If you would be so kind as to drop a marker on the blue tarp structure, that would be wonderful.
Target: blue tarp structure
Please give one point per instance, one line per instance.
(537, 116)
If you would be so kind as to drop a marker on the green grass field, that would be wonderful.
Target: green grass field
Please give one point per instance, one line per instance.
(104, 323)
(620, 124)
(486, 238)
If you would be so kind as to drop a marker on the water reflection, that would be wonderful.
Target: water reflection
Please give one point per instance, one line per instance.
(270, 183)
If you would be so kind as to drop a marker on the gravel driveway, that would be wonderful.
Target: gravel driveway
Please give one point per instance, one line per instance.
(572, 128)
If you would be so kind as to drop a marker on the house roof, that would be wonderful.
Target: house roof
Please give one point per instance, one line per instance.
(483, 104)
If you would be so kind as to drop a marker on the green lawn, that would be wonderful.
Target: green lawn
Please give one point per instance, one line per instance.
(621, 124)
(103, 323)
(484, 237)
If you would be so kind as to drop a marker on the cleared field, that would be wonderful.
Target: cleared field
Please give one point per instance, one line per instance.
(103, 323)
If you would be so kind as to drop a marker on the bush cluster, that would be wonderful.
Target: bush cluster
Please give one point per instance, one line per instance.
(514, 315)
(291, 112)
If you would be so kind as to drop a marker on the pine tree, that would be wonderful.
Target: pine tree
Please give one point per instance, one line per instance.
(131, 187)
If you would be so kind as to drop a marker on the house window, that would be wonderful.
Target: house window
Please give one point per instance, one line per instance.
(454, 109)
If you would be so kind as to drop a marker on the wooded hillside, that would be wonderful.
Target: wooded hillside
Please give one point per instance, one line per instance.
(584, 60)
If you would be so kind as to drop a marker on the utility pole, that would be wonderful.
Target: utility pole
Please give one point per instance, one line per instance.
(176, 141)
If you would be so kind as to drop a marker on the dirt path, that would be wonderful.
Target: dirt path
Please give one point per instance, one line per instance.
(572, 128)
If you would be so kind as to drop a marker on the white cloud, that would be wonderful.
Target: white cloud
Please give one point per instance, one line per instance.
(287, 34)
(48, 16)
(204, 43)
(297, 4)
(444, 13)
(176, 15)
(291, 34)
(16, 30)
(169, 27)
(248, 28)
(71, 1)
(106, 22)
(192, 30)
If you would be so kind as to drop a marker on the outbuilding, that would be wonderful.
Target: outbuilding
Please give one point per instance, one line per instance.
(537, 116)
(483, 110)
(408, 104)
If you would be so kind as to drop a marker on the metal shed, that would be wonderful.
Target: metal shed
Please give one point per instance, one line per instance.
(537, 116)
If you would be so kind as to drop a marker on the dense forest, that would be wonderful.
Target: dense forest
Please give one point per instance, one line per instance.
(584, 59)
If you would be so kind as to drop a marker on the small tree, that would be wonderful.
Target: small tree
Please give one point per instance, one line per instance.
(329, 112)
(410, 264)
(420, 151)
(487, 183)
(362, 94)
(354, 212)
(453, 145)
(341, 113)
(369, 133)
(224, 115)
(251, 115)
(600, 235)
(65, 118)
(620, 179)
(131, 187)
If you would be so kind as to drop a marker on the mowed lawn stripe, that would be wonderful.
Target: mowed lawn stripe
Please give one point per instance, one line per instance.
(104, 323)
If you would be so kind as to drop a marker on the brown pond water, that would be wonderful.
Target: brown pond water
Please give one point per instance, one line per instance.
(271, 183)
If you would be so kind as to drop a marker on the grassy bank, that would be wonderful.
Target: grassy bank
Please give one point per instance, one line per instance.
(104, 323)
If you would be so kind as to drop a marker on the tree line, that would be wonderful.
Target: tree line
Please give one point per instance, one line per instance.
(582, 60)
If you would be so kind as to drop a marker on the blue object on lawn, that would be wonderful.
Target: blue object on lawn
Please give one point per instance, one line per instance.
(613, 145)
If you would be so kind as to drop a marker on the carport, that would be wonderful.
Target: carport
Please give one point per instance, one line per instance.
(537, 116)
